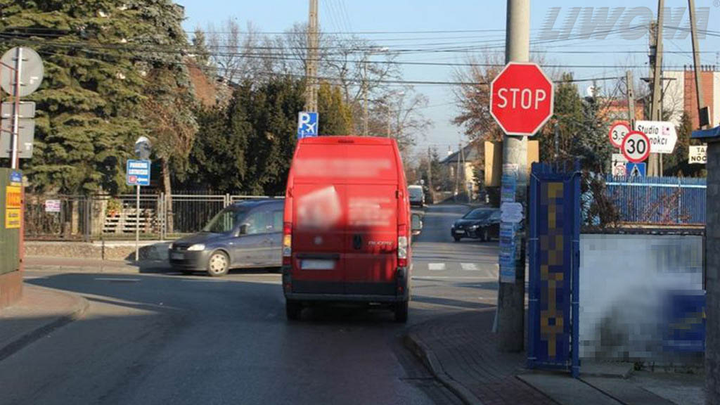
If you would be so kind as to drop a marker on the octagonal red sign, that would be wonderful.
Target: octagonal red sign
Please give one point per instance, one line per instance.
(521, 98)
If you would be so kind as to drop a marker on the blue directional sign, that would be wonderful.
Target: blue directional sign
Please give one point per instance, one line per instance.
(138, 173)
(307, 124)
(635, 169)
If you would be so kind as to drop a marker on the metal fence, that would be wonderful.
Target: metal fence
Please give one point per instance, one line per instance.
(659, 200)
(104, 217)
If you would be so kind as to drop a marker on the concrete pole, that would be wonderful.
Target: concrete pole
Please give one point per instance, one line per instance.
(656, 57)
(696, 60)
(630, 98)
(511, 296)
(365, 97)
(312, 59)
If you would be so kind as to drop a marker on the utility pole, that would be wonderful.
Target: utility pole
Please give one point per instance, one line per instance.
(510, 319)
(457, 173)
(464, 175)
(365, 97)
(312, 59)
(430, 184)
(656, 55)
(630, 98)
(696, 63)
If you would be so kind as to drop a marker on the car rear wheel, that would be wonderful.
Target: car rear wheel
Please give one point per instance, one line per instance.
(218, 264)
(401, 312)
(293, 309)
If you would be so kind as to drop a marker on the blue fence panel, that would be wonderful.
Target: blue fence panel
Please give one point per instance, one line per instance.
(659, 200)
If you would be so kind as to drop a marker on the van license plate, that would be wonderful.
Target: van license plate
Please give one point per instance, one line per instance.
(177, 256)
(318, 264)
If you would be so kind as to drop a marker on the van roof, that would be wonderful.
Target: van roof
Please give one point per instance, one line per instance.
(334, 140)
(258, 202)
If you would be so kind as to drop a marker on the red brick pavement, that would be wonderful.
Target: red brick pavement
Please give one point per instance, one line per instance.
(466, 349)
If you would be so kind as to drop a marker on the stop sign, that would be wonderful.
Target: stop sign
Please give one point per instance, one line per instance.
(521, 98)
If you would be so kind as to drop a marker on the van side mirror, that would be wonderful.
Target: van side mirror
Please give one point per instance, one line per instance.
(243, 229)
(417, 224)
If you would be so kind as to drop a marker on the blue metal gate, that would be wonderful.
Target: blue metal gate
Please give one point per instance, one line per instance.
(554, 264)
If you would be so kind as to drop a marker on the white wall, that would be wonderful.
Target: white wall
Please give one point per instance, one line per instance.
(624, 281)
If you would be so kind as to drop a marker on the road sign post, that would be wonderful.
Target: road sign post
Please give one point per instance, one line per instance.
(617, 133)
(138, 175)
(636, 147)
(521, 99)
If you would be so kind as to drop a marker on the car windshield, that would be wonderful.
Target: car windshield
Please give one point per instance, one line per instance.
(226, 220)
(478, 214)
(415, 192)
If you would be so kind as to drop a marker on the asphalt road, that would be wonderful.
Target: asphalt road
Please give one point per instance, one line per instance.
(172, 339)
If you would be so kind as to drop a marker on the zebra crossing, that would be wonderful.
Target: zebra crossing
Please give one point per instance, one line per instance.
(467, 269)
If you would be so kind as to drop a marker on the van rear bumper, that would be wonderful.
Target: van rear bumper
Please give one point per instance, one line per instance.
(308, 290)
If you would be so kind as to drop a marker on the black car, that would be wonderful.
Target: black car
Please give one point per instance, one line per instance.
(480, 223)
(245, 234)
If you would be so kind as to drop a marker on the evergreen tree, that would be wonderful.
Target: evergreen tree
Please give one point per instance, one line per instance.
(201, 52)
(677, 163)
(335, 116)
(101, 57)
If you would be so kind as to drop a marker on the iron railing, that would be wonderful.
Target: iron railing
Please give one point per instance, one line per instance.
(659, 200)
(105, 217)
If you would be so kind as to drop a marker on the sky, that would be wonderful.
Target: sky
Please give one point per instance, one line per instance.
(439, 25)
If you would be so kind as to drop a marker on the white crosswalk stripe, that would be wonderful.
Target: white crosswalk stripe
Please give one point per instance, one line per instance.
(469, 267)
(436, 266)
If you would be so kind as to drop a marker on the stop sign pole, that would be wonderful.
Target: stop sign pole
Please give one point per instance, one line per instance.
(521, 102)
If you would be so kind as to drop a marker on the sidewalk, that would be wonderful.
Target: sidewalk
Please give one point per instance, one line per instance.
(460, 350)
(82, 265)
(39, 312)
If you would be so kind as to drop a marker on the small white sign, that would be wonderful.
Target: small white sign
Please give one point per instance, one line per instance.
(662, 135)
(618, 164)
(698, 154)
(511, 212)
(52, 205)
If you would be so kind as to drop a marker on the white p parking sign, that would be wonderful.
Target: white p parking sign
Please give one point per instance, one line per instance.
(307, 124)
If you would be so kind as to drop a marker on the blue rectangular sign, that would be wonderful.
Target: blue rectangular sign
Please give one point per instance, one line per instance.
(15, 177)
(138, 173)
(307, 124)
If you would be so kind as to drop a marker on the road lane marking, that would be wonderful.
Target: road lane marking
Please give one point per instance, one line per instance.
(451, 278)
(469, 267)
(436, 266)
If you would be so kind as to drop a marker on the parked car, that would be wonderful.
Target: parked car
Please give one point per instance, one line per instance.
(417, 196)
(480, 223)
(247, 234)
(347, 225)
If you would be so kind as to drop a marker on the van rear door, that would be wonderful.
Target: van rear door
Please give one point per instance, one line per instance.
(319, 219)
(372, 228)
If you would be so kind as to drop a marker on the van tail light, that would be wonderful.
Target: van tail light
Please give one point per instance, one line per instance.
(287, 244)
(402, 247)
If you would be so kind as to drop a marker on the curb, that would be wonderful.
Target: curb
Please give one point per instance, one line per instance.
(78, 311)
(128, 269)
(427, 356)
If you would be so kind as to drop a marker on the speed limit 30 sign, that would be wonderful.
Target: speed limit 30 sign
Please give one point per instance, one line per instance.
(636, 147)
(617, 133)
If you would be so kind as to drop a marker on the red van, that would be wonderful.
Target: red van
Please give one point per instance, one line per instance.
(347, 225)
